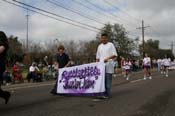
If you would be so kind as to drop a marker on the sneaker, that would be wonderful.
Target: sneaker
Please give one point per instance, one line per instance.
(104, 97)
(166, 75)
(127, 78)
(53, 92)
(7, 97)
(144, 78)
(96, 100)
(150, 77)
(161, 72)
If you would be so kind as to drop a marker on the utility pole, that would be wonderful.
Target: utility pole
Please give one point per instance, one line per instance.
(143, 36)
(27, 31)
(172, 47)
(172, 44)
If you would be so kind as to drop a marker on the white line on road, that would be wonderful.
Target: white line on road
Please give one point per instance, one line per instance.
(31, 86)
(136, 80)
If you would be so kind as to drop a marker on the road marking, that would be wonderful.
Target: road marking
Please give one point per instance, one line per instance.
(30, 86)
(136, 80)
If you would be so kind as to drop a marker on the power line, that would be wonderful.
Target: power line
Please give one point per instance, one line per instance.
(89, 8)
(134, 33)
(108, 3)
(92, 10)
(81, 4)
(73, 11)
(155, 30)
(55, 14)
(98, 7)
(121, 10)
(97, 11)
(50, 16)
(113, 15)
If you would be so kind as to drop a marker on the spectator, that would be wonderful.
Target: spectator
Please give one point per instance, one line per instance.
(33, 72)
(17, 72)
(7, 77)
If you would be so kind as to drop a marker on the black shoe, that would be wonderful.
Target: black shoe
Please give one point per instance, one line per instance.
(53, 92)
(7, 97)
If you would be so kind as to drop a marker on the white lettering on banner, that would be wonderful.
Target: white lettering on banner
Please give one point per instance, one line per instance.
(87, 78)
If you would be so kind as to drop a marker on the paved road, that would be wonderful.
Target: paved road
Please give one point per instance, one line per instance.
(129, 98)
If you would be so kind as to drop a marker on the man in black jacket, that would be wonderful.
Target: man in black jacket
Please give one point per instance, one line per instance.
(3, 50)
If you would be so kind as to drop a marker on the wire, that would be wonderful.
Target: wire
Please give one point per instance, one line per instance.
(89, 8)
(73, 11)
(49, 16)
(120, 10)
(155, 30)
(97, 7)
(108, 12)
(55, 14)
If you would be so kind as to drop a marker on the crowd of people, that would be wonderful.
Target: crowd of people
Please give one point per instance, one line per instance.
(106, 52)
(162, 65)
(37, 73)
(18, 74)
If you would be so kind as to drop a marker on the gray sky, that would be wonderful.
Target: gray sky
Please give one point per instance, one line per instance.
(158, 14)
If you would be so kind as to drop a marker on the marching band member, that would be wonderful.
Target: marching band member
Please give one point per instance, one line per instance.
(147, 67)
(127, 66)
(166, 63)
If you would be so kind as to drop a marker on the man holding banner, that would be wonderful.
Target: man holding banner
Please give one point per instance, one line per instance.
(106, 53)
(62, 60)
(89, 79)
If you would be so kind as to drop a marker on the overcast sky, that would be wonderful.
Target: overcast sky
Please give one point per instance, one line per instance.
(158, 14)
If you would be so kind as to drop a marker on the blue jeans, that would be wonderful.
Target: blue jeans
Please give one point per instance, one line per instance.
(108, 84)
(158, 67)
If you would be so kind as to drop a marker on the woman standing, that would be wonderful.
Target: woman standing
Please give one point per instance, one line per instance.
(166, 63)
(3, 50)
(127, 66)
(147, 67)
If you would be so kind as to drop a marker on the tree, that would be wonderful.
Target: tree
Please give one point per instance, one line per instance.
(152, 48)
(118, 35)
(167, 52)
(81, 52)
(15, 51)
(90, 49)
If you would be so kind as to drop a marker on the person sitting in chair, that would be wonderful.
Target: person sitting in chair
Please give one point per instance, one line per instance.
(17, 74)
(33, 70)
